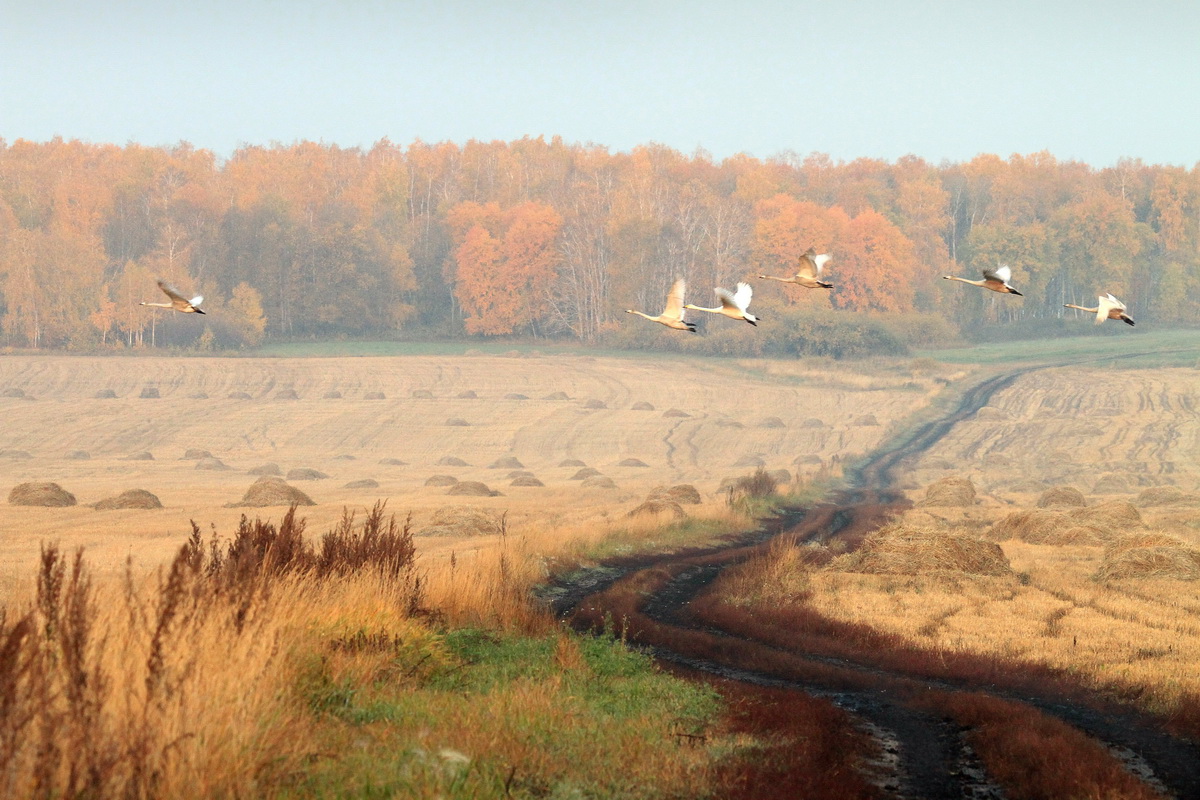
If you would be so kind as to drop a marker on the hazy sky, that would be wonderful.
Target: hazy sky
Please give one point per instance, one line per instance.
(1094, 81)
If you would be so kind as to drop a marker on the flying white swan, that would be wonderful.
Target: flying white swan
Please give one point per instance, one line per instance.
(1108, 307)
(672, 315)
(733, 304)
(995, 279)
(178, 301)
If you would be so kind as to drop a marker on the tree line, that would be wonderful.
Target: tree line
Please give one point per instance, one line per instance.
(543, 238)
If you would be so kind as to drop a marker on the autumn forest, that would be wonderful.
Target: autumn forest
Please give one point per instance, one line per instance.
(545, 239)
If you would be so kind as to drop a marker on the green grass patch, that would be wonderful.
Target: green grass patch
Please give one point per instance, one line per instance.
(1115, 346)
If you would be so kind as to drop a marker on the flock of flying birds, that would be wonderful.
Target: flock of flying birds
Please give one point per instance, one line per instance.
(735, 304)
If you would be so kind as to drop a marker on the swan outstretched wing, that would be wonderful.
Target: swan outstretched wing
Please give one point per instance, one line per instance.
(171, 292)
(1001, 273)
(674, 307)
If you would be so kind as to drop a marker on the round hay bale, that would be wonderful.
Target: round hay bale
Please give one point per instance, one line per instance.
(79, 455)
(676, 413)
(950, 491)
(193, 454)
(526, 480)
(214, 464)
(269, 469)
(725, 422)
(585, 473)
(780, 475)
(658, 505)
(599, 482)
(900, 550)
(472, 489)
(770, 422)
(393, 462)
(287, 394)
(467, 395)
(362, 483)
(1041, 527)
(506, 462)
(812, 422)
(344, 457)
(557, 396)
(36, 493)
(682, 493)
(149, 393)
(1062, 496)
(239, 396)
(12, 391)
(457, 422)
(198, 396)
(991, 414)
(809, 460)
(105, 394)
(305, 474)
(642, 405)
(632, 462)
(750, 461)
(1142, 539)
(1112, 483)
(450, 461)
(518, 473)
(594, 403)
(271, 491)
(515, 396)
(374, 396)
(1177, 562)
(15, 455)
(332, 395)
(865, 421)
(441, 480)
(1115, 516)
(1165, 496)
(464, 521)
(422, 394)
(144, 455)
(133, 498)
(571, 462)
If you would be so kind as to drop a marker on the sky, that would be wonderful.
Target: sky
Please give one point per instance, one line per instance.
(1091, 81)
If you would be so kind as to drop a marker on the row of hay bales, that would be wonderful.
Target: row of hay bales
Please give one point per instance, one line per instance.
(50, 495)
(955, 491)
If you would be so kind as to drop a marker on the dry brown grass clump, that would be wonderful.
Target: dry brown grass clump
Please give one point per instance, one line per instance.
(441, 480)
(632, 462)
(149, 393)
(270, 468)
(1168, 561)
(362, 483)
(683, 493)
(526, 480)
(271, 491)
(464, 521)
(472, 489)
(133, 498)
(105, 394)
(1165, 496)
(675, 412)
(585, 473)
(1061, 496)
(641, 405)
(35, 493)
(451, 461)
(599, 482)
(506, 462)
(192, 454)
(215, 464)
(571, 462)
(900, 550)
(951, 491)
(305, 474)
(658, 505)
(457, 422)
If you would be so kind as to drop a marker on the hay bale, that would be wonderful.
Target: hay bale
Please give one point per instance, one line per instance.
(677, 413)
(571, 462)
(362, 483)
(149, 393)
(464, 521)
(770, 422)
(374, 396)
(812, 422)
(472, 351)
(344, 457)
(1165, 496)
(144, 455)
(557, 396)
(79, 455)
(725, 422)
(750, 461)
(271, 491)
(305, 474)
(807, 460)
(12, 391)
(332, 395)
(632, 462)
(515, 396)
(506, 462)
(133, 498)
(287, 394)
(1142, 539)
(269, 469)
(865, 421)
(450, 461)
(239, 396)
(585, 473)
(642, 405)
(1115, 516)
(422, 394)
(780, 475)
(658, 505)
(682, 493)
(36, 493)
(598, 482)
(900, 550)
(1171, 562)
(441, 480)
(1035, 527)
(950, 491)
(457, 422)
(1062, 496)
(1112, 483)
(198, 396)
(15, 455)
(193, 454)
(214, 464)
(393, 462)
(594, 403)
(105, 394)
(467, 394)
(518, 473)
(526, 480)
(472, 489)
